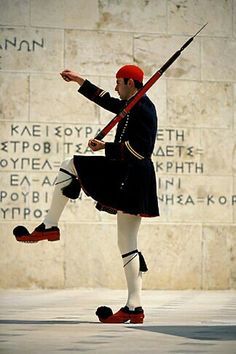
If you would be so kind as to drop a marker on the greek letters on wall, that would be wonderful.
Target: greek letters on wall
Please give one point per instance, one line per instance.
(31, 155)
(19, 45)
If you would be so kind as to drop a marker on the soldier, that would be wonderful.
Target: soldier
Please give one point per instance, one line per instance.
(122, 182)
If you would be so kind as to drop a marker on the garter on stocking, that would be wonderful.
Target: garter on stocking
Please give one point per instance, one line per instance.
(59, 201)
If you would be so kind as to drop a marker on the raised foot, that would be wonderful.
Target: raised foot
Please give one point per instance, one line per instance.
(39, 234)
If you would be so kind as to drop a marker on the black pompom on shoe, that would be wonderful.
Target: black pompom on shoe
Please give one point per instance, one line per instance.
(20, 230)
(103, 312)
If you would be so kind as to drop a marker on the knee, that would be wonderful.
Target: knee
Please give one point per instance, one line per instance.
(123, 243)
(67, 163)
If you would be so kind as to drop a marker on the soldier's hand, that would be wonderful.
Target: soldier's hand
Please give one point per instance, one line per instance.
(96, 145)
(69, 75)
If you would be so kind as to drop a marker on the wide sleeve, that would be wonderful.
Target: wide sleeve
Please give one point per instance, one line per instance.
(101, 97)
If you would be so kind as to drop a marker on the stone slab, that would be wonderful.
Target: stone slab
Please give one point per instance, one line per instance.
(15, 12)
(90, 254)
(189, 16)
(219, 256)
(234, 17)
(81, 14)
(31, 50)
(198, 199)
(234, 213)
(218, 151)
(173, 255)
(54, 100)
(104, 52)
(14, 102)
(218, 56)
(120, 16)
(234, 109)
(200, 104)
(151, 52)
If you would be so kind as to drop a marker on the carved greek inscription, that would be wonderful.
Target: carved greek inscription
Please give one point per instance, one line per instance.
(31, 154)
(21, 44)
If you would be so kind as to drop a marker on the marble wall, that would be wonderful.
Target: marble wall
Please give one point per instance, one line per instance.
(43, 120)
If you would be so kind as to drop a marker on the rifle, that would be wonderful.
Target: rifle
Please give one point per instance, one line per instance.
(144, 89)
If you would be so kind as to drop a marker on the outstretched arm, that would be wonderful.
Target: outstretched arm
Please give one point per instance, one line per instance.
(69, 75)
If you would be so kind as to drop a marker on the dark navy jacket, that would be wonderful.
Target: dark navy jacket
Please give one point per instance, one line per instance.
(125, 178)
(141, 129)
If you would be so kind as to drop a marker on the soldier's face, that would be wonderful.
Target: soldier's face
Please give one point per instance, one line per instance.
(123, 89)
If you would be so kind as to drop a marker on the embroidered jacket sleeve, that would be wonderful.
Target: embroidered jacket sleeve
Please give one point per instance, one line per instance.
(101, 97)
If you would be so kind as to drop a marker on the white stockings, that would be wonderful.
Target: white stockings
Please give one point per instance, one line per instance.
(127, 230)
(59, 200)
(128, 226)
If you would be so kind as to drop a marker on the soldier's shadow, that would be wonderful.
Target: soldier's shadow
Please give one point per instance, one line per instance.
(204, 332)
(44, 322)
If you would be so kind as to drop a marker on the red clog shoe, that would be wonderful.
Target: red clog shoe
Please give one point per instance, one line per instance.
(124, 315)
(39, 234)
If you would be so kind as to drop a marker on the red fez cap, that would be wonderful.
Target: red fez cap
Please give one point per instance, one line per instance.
(130, 72)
